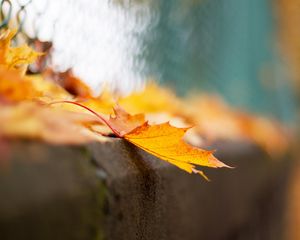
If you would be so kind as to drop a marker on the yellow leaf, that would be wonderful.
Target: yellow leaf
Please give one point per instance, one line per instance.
(36, 121)
(16, 58)
(165, 142)
(20, 57)
(5, 39)
(48, 89)
(152, 99)
(15, 88)
(162, 140)
(217, 120)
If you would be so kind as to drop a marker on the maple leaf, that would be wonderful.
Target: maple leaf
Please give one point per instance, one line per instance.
(15, 88)
(162, 140)
(217, 120)
(165, 142)
(49, 90)
(5, 39)
(143, 101)
(14, 84)
(123, 122)
(16, 58)
(37, 121)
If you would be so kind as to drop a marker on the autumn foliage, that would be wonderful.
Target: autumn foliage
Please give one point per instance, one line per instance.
(66, 112)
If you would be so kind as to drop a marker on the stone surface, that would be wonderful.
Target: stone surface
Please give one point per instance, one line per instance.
(115, 191)
(149, 199)
(48, 192)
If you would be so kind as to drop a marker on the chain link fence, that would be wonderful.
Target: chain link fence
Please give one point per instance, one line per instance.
(100, 40)
(24, 17)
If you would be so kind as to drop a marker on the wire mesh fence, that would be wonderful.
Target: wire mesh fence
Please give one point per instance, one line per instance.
(100, 40)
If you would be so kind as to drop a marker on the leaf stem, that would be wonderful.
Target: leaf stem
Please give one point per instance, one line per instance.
(93, 112)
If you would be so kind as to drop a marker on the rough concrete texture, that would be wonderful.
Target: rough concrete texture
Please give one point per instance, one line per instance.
(149, 199)
(48, 192)
(115, 191)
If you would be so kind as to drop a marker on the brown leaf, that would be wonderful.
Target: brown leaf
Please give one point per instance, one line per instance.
(123, 122)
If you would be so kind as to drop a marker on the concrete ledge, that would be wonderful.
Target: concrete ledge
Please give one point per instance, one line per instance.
(115, 191)
(48, 192)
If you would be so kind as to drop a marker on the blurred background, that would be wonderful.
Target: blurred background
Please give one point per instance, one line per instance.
(243, 50)
(247, 51)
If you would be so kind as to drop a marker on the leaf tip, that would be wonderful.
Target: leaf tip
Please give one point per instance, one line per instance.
(216, 162)
(200, 173)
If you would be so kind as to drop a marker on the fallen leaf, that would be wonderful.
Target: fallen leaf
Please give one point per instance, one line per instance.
(165, 142)
(49, 90)
(152, 99)
(215, 120)
(14, 87)
(23, 115)
(123, 122)
(16, 58)
(162, 140)
(69, 82)
(32, 120)
(5, 39)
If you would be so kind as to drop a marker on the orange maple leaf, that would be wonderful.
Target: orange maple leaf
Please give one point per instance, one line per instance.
(14, 87)
(123, 122)
(162, 140)
(16, 58)
(37, 121)
(165, 142)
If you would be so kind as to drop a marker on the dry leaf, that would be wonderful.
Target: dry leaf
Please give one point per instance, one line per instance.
(27, 118)
(36, 121)
(152, 99)
(13, 87)
(123, 122)
(165, 142)
(5, 39)
(16, 58)
(69, 82)
(214, 119)
(49, 90)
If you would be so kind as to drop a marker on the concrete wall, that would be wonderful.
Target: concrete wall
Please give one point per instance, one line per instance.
(115, 191)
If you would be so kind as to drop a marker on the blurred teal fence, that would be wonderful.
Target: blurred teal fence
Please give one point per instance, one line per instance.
(222, 46)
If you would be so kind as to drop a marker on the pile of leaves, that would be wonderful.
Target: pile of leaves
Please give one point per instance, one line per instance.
(60, 109)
